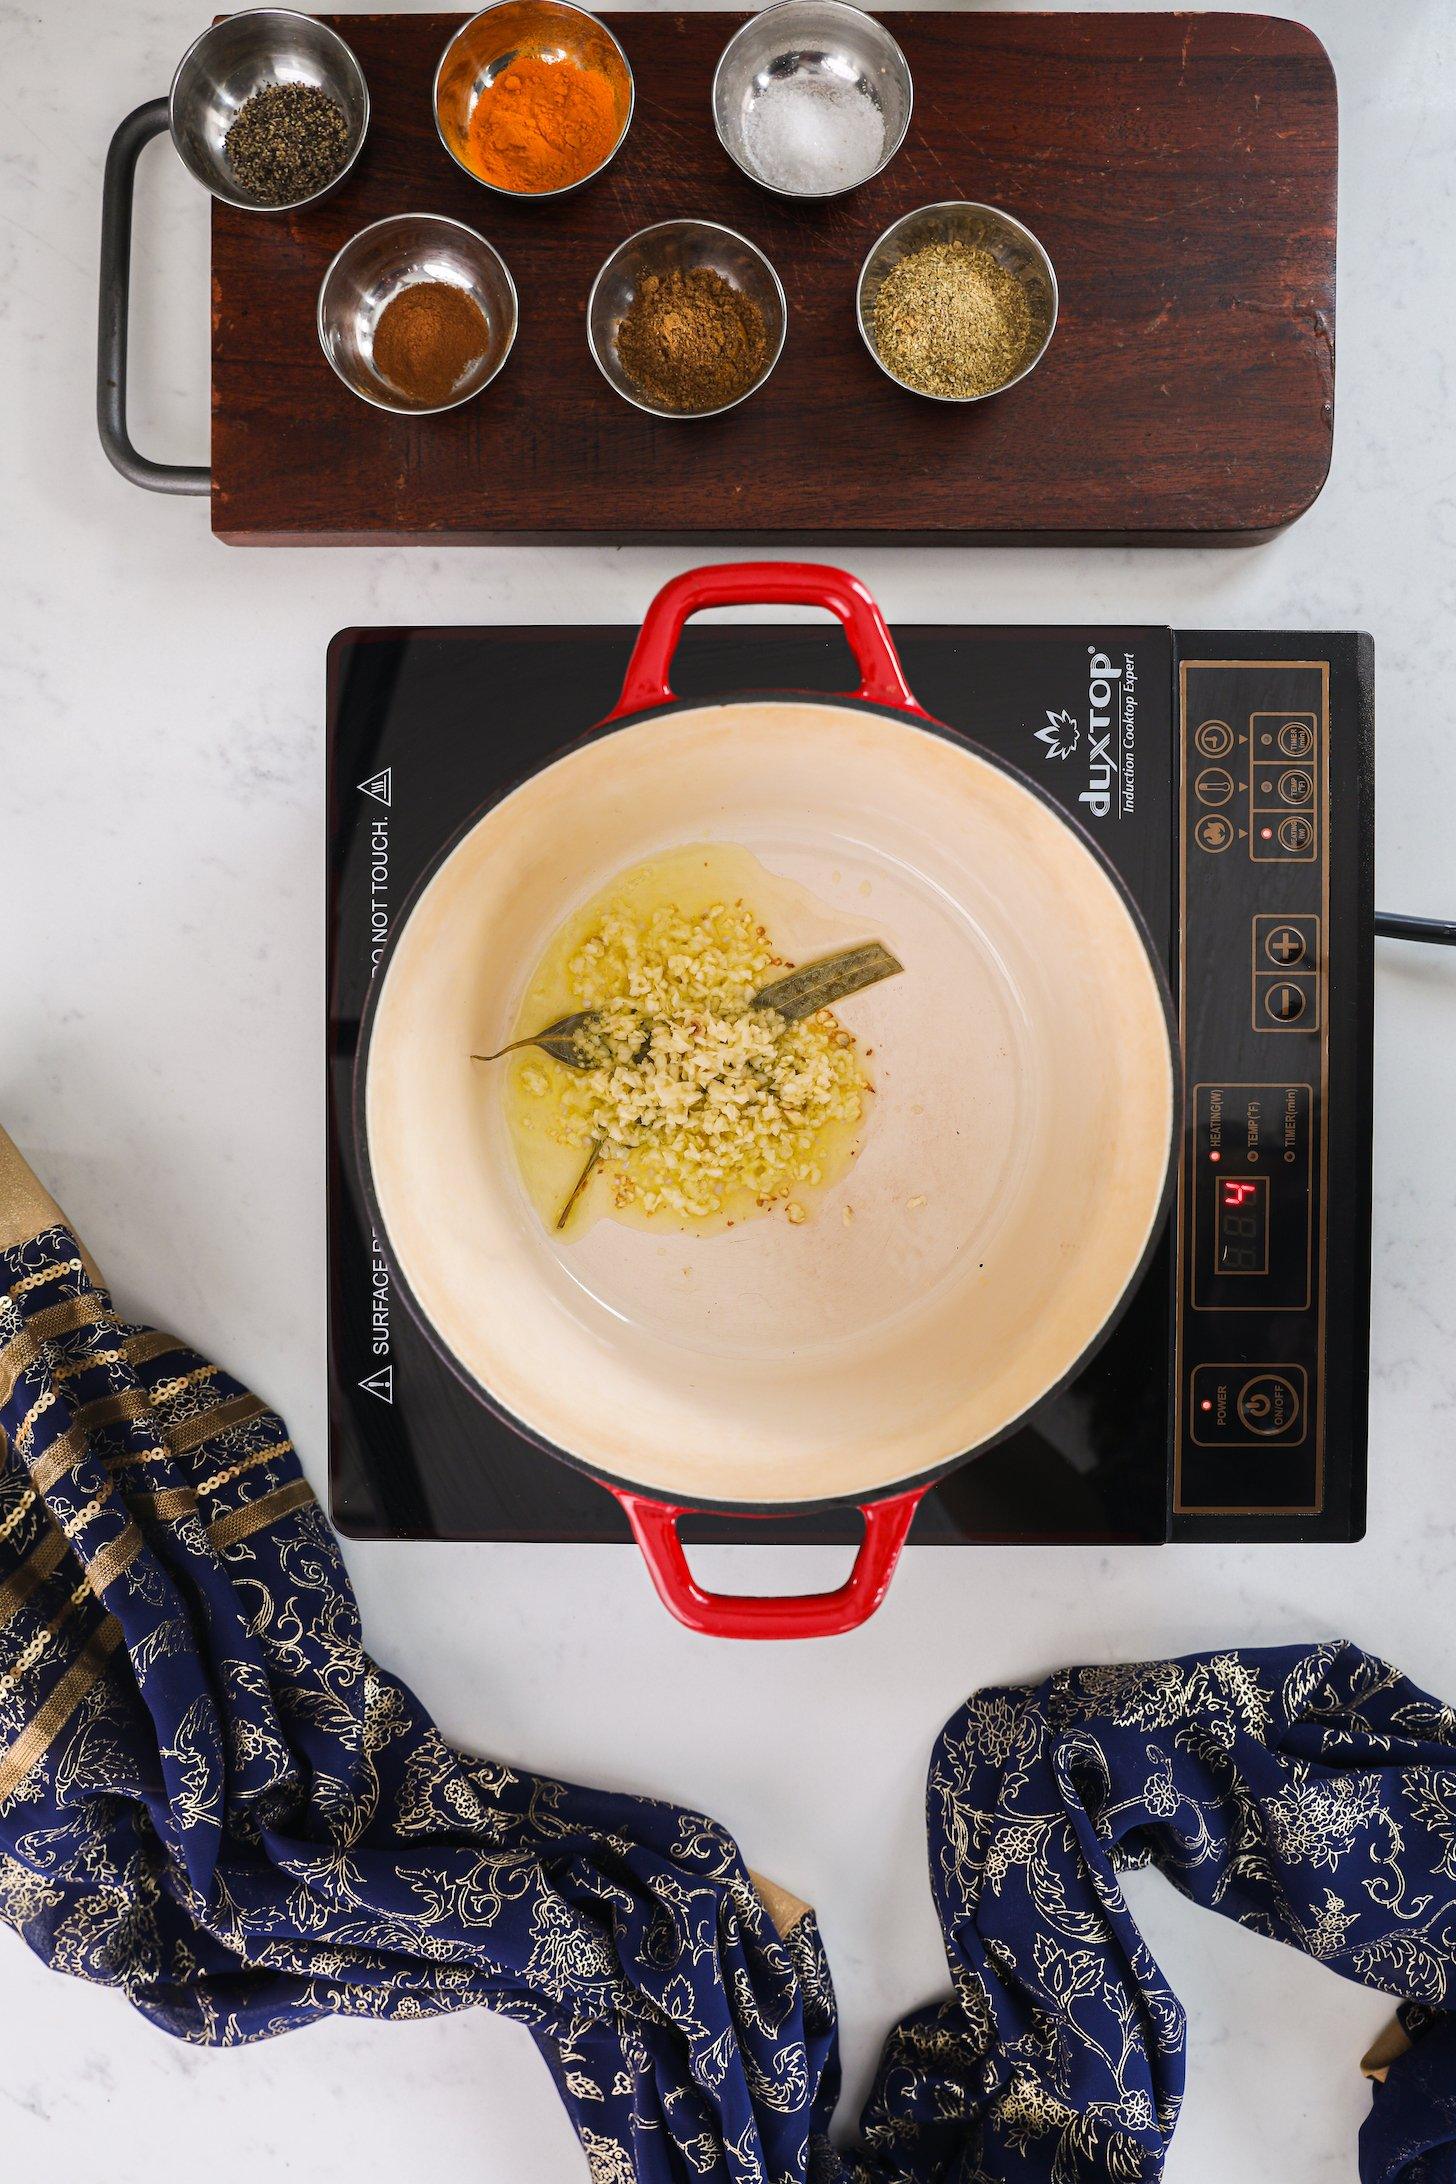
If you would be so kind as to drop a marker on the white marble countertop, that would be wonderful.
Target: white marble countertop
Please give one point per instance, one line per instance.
(162, 1065)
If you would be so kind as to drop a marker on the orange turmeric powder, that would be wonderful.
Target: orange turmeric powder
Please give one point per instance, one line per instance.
(542, 125)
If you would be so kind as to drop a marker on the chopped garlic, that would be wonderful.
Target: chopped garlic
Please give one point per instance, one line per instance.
(696, 1094)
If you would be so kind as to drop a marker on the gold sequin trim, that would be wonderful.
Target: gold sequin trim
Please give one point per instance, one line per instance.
(172, 1501)
(31, 1652)
(114, 1560)
(216, 1479)
(193, 1433)
(66, 1318)
(153, 1455)
(42, 1275)
(63, 1453)
(150, 1343)
(36, 1738)
(32, 1574)
(165, 1390)
(27, 1426)
(71, 1368)
(17, 1515)
(80, 1518)
(113, 1410)
(254, 1516)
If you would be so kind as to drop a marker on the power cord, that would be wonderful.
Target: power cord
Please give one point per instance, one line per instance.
(1391, 925)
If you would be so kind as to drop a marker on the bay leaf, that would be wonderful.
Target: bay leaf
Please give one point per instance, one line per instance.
(599, 1146)
(576, 1039)
(831, 978)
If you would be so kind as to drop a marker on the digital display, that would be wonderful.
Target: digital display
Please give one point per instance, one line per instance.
(1241, 1224)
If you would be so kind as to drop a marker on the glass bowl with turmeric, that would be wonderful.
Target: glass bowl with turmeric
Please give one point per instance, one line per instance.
(533, 98)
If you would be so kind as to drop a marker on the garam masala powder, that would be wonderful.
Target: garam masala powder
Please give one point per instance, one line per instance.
(691, 341)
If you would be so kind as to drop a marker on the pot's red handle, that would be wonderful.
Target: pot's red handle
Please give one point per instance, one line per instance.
(755, 1615)
(763, 584)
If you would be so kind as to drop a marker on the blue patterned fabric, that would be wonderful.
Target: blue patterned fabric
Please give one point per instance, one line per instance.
(212, 1798)
(1409, 2136)
(1307, 1792)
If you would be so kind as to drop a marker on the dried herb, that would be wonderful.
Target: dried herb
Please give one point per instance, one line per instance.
(579, 1041)
(819, 985)
(692, 341)
(287, 143)
(951, 320)
(599, 1146)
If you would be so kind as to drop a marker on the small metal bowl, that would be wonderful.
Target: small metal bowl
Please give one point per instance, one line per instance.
(671, 246)
(221, 70)
(982, 227)
(370, 271)
(490, 42)
(823, 40)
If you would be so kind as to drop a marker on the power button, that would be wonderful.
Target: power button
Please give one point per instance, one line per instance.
(1247, 1406)
(1269, 1405)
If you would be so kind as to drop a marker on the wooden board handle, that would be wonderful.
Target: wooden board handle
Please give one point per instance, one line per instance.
(131, 138)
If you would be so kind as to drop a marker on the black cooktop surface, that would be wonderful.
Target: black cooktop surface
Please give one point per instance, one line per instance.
(1228, 778)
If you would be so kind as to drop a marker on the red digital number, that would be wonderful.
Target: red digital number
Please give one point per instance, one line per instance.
(1235, 1193)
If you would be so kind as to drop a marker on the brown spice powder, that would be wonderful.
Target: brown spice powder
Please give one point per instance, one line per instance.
(427, 339)
(691, 340)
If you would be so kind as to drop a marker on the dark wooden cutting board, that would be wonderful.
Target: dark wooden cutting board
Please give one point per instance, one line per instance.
(1180, 170)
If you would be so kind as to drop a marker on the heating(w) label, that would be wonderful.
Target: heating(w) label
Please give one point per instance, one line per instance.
(1250, 1198)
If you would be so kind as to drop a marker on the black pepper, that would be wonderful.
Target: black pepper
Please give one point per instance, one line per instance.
(288, 142)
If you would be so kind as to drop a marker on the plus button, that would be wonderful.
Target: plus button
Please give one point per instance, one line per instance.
(1285, 944)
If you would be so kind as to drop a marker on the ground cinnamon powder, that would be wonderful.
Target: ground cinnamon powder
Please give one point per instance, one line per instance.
(427, 338)
(542, 125)
(691, 340)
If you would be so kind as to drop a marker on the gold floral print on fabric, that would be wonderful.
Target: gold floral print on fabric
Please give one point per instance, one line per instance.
(34, 1741)
(32, 1573)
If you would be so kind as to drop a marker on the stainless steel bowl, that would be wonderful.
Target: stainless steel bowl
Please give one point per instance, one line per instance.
(668, 247)
(488, 44)
(221, 70)
(818, 40)
(370, 271)
(980, 226)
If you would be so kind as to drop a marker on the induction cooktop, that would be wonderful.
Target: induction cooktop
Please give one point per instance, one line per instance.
(1229, 777)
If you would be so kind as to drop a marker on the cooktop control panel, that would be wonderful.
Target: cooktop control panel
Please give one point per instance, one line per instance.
(1252, 1392)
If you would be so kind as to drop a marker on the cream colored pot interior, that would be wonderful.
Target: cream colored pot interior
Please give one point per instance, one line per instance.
(1010, 1176)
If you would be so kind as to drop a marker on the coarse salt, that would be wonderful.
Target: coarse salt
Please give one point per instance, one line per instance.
(810, 135)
